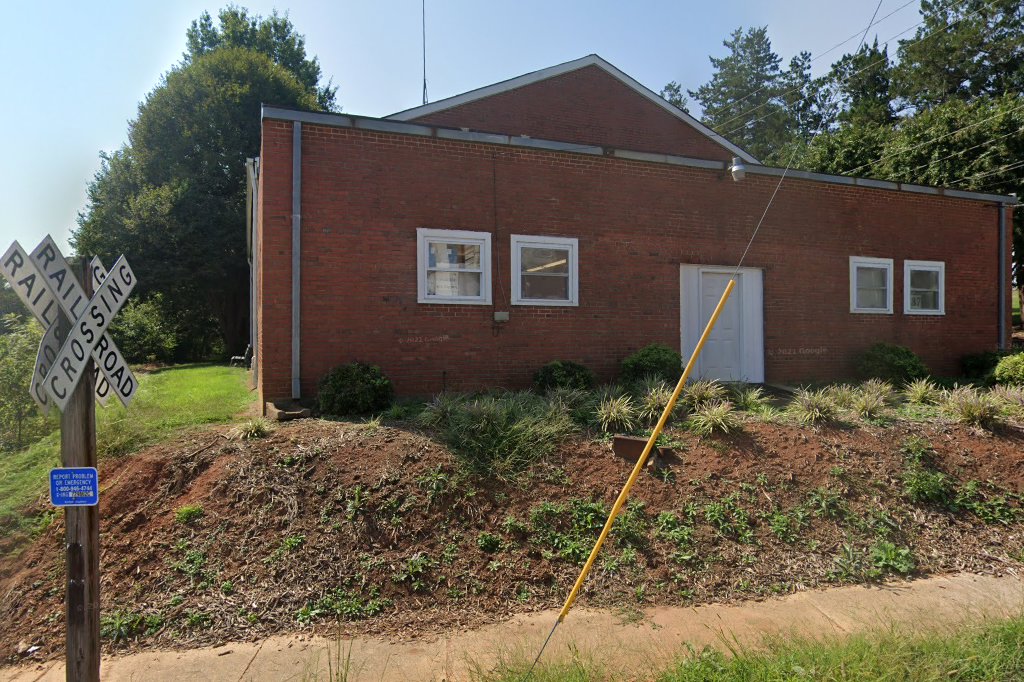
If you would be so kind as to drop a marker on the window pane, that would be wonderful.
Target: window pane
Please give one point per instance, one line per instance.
(546, 287)
(453, 283)
(546, 261)
(924, 279)
(871, 298)
(924, 300)
(871, 278)
(443, 256)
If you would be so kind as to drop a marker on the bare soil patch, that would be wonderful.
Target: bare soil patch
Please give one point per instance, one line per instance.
(325, 521)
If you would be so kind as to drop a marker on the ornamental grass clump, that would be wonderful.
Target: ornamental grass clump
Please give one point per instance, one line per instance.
(812, 407)
(617, 414)
(715, 417)
(703, 392)
(970, 406)
(749, 398)
(922, 392)
(653, 399)
(842, 395)
(880, 389)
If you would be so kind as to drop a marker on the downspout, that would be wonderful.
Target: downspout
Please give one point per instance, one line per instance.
(251, 249)
(296, 252)
(1002, 276)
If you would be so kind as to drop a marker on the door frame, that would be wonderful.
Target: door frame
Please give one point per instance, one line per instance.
(750, 286)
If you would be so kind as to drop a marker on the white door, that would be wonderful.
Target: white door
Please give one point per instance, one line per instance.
(735, 348)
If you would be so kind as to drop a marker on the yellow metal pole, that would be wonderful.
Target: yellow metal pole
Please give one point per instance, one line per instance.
(647, 451)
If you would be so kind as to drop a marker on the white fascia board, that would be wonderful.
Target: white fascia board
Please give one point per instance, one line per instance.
(558, 70)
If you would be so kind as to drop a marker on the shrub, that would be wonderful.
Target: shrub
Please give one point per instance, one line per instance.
(563, 374)
(355, 388)
(892, 363)
(616, 414)
(1010, 370)
(970, 406)
(714, 417)
(502, 435)
(921, 392)
(979, 366)
(143, 333)
(655, 359)
(812, 407)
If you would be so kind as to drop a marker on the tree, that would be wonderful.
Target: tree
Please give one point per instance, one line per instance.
(673, 94)
(173, 199)
(859, 87)
(20, 419)
(273, 36)
(751, 101)
(10, 304)
(963, 49)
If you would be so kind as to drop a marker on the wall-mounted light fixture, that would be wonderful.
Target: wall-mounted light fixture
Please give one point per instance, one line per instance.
(738, 170)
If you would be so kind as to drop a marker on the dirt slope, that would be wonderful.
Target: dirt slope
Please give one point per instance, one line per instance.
(324, 521)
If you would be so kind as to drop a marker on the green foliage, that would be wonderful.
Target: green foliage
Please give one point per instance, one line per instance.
(892, 363)
(709, 418)
(654, 397)
(344, 605)
(921, 392)
(121, 626)
(563, 374)
(172, 200)
(567, 531)
(888, 558)
(488, 542)
(616, 414)
(355, 388)
(926, 486)
(812, 407)
(698, 394)
(630, 526)
(1010, 370)
(21, 422)
(258, 427)
(143, 333)
(414, 571)
(971, 406)
(749, 398)
(979, 366)
(189, 514)
(653, 360)
(826, 502)
(501, 435)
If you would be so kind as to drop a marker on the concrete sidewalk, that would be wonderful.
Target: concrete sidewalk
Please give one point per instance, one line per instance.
(635, 648)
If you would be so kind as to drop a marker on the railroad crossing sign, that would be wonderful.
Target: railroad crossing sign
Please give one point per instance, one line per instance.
(45, 283)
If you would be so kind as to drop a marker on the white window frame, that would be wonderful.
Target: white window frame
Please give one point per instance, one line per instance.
(858, 261)
(570, 243)
(930, 266)
(425, 235)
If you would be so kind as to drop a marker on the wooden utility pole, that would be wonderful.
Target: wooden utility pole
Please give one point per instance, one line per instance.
(82, 528)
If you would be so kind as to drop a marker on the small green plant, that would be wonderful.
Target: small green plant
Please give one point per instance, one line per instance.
(355, 388)
(888, 558)
(344, 605)
(926, 486)
(1010, 370)
(252, 429)
(488, 542)
(121, 626)
(812, 407)
(413, 571)
(437, 483)
(699, 394)
(783, 526)
(667, 526)
(654, 398)
(842, 395)
(227, 587)
(656, 360)
(971, 406)
(896, 364)
(355, 503)
(917, 449)
(749, 398)
(293, 542)
(189, 514)
(616, 414)
(869, 405)
(716, 417)
(513, 526)
(630, 526)
(921, 392)
(563, 374)
(826, 502)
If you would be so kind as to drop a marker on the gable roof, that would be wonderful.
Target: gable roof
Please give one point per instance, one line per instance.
(558, 70)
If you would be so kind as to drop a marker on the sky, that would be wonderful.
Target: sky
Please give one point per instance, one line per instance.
(75, 72)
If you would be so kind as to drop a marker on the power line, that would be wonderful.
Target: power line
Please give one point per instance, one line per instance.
(424, 24)
(857, 72)
(1001, 169)
(814, 59)
(964, 151)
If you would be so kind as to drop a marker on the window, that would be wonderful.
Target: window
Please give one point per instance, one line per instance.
(870, 285)
(924, 287)
(544, 271)
(454, 266)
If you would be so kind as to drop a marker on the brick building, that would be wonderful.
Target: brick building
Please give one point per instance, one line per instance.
(573, 214)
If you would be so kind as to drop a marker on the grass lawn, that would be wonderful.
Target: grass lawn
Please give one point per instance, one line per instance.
(1016, 307)
(992, 651)
(167, 401)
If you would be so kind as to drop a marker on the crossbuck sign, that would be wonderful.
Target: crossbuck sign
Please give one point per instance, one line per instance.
(45, 283)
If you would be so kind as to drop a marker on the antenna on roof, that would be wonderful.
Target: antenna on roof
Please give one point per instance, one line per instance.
(424, 6)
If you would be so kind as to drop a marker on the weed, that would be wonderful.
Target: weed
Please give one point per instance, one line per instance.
(123, 626)
(826, 502)
(812, 407)
(616, 414)
(260, 427)
(926, 486)
(714, 417)
(523, 594)
(192, 564)
(197, 619)
(414, 571)
(189, 514)
(513, 526)
(355, 503)
(372, 424)
(630, 526)
(665, 474)
(488, 542)
(917, 449)
(450, 553)
(729, 519)
(994, 509)
(344, 605)
(921, 392)
(783, 526)
(970, 406)
(436, 482)
(668, 527)
(888, 558)
(227, 587)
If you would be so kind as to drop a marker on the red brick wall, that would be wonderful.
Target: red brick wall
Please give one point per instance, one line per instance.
(365, 193)
(587, 106)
